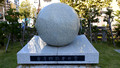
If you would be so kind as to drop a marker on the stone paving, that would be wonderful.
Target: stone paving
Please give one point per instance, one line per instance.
(117, 50)
(58, 66)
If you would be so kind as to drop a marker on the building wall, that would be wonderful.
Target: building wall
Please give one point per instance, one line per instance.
(115, 7)
(4, 8)
(101, 21)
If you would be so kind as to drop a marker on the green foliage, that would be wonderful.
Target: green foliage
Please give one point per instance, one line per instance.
(95, 29)
(33, 12)
(11, 26)
(29, 33)
(3, 32)
(108, 15)
(2, 1)
(109, 18)
(12, 16)
(25, 9)
(87, 9)
(84, 25)
(117, 28)
(81, 5)
(117, 14)
(90, 14)
(118, 1)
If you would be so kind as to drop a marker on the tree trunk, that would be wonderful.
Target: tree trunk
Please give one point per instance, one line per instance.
(38, 7)
(8, 42)
(89, 24)
(25, 21)
(111, 31)
(23, 34)
(23, 30)
(21, 43)
(104, 34)
(80, 31)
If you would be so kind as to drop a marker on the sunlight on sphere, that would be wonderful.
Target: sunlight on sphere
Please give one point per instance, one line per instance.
(57, 24)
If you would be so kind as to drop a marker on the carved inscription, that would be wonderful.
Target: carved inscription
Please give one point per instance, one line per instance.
(57, 58)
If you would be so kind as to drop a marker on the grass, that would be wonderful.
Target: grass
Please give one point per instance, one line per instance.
(108, 57)
(9, 60)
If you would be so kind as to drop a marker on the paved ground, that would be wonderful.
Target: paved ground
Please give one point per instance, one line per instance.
(58, 66)
(117, 50)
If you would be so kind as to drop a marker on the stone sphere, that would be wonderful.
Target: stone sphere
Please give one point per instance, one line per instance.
(57, 24)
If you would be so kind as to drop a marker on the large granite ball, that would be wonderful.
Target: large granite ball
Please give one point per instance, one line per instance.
(57, 24)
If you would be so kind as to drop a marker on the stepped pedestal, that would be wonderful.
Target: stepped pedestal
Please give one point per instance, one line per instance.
(80, 51)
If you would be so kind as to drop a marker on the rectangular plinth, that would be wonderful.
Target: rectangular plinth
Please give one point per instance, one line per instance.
(80, 51)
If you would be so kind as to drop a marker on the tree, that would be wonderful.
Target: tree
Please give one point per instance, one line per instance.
(88, 9)
(117, 28)
(25, 9)
(109, 19)
(81, 5)
(13, 31)
(118, 1)
(34, 14)
(1, 1)
(3, 32)
(38, 7)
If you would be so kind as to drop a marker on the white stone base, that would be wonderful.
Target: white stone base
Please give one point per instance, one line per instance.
(58, 66)
(37, 47)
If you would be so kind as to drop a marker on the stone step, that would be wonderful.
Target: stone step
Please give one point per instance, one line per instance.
(58, 66)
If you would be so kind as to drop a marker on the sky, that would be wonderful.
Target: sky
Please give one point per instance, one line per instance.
(114, 5)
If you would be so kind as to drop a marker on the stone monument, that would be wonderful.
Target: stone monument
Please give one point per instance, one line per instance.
(57, 24)
(58, 41)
